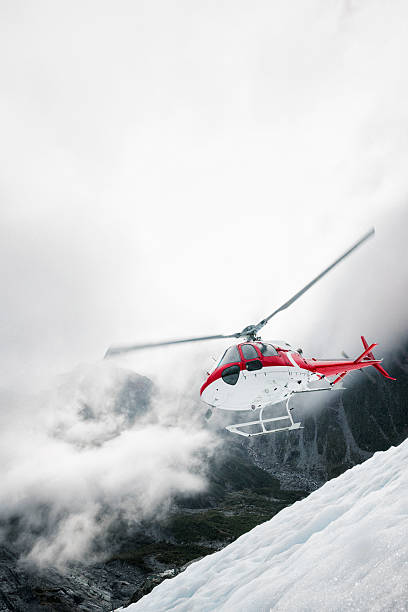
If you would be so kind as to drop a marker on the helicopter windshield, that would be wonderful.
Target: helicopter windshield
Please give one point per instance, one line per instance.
(248, 351)
(267, 350)
(231, 355)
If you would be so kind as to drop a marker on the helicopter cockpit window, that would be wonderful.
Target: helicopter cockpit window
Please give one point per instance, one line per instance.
(267, 350)
(230, 375)
(248, 351)
(231, 355)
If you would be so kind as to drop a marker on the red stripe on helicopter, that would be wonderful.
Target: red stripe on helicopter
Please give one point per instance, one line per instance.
(279, 360)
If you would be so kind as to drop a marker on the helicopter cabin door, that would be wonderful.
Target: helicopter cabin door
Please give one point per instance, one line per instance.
(251, 375)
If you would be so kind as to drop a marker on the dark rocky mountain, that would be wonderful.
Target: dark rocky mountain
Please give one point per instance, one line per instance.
(239, 497)
(249, 482)
(105, 400)
(370, 415)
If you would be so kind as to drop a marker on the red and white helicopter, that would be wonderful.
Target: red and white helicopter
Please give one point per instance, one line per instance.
(256, 373)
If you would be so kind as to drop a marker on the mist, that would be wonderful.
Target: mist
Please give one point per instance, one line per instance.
(101, 446)
(170, 171)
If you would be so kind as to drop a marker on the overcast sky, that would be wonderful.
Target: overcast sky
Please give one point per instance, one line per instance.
(172, 169)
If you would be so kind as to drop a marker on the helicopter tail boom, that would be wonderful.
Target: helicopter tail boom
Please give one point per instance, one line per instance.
(362, 361)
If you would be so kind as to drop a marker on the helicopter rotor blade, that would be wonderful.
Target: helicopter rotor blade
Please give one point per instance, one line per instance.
(255, 329)
(117, 350)
(250, 331)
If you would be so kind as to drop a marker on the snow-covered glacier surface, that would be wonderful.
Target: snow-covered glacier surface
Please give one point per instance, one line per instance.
(345, 547)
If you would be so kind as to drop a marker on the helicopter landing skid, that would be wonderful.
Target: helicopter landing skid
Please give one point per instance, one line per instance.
(236, 427)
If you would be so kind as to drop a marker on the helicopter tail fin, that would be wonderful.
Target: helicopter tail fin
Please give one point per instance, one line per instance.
(371, 356)
(364, 360)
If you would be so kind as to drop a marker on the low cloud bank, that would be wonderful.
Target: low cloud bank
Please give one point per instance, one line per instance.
(100, 446)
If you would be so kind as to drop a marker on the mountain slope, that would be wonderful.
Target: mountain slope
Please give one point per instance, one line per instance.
(371, 415)
(342, 548)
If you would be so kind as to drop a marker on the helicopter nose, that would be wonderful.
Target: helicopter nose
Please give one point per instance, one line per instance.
(208, 394)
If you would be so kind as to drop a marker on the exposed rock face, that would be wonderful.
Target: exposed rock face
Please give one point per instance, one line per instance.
(369, 416)
(97, 402)
(89, 589)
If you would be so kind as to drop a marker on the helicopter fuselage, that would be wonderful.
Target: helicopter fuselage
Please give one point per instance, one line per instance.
(261, 373)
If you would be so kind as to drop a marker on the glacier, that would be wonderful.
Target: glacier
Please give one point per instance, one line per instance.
(344, 547)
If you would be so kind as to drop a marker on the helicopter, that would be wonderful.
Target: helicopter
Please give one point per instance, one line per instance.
(254, 373)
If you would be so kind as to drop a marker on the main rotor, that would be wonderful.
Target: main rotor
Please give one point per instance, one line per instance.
(250, 332)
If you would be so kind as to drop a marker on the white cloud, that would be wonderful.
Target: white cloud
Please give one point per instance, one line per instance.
(71, 475)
